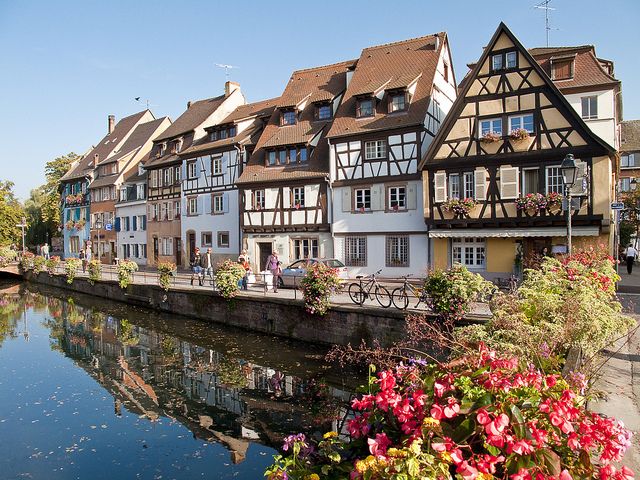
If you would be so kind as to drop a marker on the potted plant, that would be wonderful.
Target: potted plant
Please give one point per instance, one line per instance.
(69, 224)
(490, 137)
(459, 207)
(126, 269)
(518, 134)
(165, 272)
(554, 203)
(227, 277)
(531, 203)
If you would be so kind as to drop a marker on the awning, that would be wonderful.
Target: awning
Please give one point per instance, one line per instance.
(515, 232)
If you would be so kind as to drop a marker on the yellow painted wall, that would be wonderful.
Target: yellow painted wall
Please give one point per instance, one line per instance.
(500, 254)
(440, 252)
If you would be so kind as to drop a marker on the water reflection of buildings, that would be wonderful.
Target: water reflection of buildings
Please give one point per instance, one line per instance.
(218, 397)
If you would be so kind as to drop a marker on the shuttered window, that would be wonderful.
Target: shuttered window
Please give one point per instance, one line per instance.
(561, 69)
(508, 182)
(480, 183)
(440, 187)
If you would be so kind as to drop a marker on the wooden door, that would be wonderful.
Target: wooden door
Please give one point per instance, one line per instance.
(265, 249)
(178, 252)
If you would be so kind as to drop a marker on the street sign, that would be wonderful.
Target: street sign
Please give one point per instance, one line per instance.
(108, 227)
(617, 206)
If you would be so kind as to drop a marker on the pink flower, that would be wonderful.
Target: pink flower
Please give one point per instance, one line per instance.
(379, 445)
(452, 408)
(483, 417)
(387, 380)
(437, 411)
(466, 471)
(523, 474)
(521, 447)
(551, 380)
(565, 475)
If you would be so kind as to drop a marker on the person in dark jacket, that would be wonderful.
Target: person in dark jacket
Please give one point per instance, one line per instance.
(195, 262)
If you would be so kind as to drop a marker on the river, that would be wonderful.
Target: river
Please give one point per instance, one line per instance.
(92, 389)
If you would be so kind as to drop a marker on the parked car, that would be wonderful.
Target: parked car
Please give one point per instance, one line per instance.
(292, 275)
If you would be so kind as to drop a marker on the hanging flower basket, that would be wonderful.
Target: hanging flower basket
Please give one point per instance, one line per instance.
(519, 134)
(69, 225)
(554, 202)
(459, 207)
(490, 137)
(532, 203)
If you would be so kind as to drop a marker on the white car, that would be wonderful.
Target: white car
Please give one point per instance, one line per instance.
(292, 275)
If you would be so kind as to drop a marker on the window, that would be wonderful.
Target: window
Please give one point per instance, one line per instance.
(530, 181)
(491, 125)
(454, 186)
(166, 246)
(222, 134)
(554, 180)
(625, 184)
(497, 62)
(288, 117)
(176, 173)
(176, 208)
(297, 194)
(140, 192)
(303, 154)
(468, 185)
(512, 59)
(176, 146)
(216, 165)
(154, 178)
(163, 211)
(364, 107)
(375, 149)
(287, 156)
(141, 223)
(561, 69)
(163, 147)
(112, 193)
(521, 121)
(258, 199)
(628, 161)
(323, 112)
(282, 157)
(207, 239)
(363, 199)
(223, 239)
(272, 157)
(192, 206)
(501, 61)
(305, 248)
(154, 211)
(397, 251)
(445, 71)
(355, 251)
(213, 136)
(191, 170)
(469, 252)
(143, 250)
(232, 131)
(217, 203)
(167, 176)
(397, 198)
(397, 102)
(123, 194)
(589, 107)
(74, 244)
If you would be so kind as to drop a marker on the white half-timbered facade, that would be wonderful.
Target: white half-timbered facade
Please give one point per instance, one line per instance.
(398, 95)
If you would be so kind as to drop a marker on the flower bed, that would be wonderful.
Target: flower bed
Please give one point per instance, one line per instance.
(459, 207)
(52, 264)
(126, 269)
(227, 276)
(317, 285)
(71, 266)
(165, 273)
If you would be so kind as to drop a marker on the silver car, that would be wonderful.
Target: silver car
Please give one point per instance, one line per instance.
(292, 275)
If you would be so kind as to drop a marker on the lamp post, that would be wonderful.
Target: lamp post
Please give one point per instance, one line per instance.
(569, 169)
(98, 226)
(22, 225)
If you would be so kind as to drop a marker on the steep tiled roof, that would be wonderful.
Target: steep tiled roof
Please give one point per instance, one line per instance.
(141, 135)
(306, 86)
(390, 66)
(191, 118)
(630, 136)
(255, 109)
(104, 147)
(135, 176)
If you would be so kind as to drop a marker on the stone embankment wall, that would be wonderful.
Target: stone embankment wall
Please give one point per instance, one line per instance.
(274, 316)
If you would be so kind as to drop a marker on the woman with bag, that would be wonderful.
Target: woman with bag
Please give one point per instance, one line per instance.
(273, 265)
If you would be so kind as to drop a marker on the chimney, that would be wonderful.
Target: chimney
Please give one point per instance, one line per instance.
(112, 123)
(230, 87)
(188, 104)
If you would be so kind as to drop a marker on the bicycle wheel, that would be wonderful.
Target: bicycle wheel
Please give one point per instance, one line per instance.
(382, 296)
(356, 293)
(400, 298)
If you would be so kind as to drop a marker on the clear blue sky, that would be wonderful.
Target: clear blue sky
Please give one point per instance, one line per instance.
(66, 65)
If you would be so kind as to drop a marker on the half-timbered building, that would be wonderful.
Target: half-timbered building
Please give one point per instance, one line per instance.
(397, 96)
(284, 200)
(210, 169)
(492, 181)
(131, 217)
(165, 205)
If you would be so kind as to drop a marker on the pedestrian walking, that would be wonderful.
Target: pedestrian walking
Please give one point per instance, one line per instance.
(243, 260)
(195, 262)
(273, 265)
(83, 258)
(207, 264)
(631, 253)
(45, 251)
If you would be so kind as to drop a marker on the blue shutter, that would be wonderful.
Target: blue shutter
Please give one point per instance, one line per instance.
(144, 223)
(76, 214)
(117, 224)
(135, 223)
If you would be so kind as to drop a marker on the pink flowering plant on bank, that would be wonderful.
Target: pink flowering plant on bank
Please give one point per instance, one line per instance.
(481, 416)
(317, 286)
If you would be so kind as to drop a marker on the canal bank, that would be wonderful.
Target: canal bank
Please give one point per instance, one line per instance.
(283, 317)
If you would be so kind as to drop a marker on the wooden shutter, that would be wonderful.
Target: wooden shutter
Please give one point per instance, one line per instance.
(184, 206)
(580, 186)
(508, 182)
(200, 204)
(117, 224)
(346, 199)
(480, 183)
(183, 170)
(225, 202)
(377, 197)
(144, 222)
(440, 187)
(208, 201)
(412, 196)
(286, 197)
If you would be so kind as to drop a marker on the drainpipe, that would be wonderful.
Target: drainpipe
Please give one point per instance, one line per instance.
(239, 151)
(330, 212)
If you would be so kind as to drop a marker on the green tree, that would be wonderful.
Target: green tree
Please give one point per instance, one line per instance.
(54, 171)
(11, 213)
(630, 220)
(39, 230)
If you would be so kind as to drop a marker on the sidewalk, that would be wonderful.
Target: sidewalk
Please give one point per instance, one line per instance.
(629, 283)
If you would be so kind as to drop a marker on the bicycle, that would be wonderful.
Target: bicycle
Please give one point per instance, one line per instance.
(400, 295)
(359, 292)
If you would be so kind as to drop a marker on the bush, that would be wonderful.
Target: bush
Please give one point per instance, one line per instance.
(564, 304)
(95, 271)
(452, 291)
(481, 416)
(7, 256)
(317, 285)
(39, 264)
(227, 276)
(126, 269)
(165, 272)
(26, 262)
(71, 266)
(52, 264)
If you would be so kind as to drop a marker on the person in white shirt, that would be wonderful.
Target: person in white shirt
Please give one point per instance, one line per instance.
(631, 253)
(207, 264)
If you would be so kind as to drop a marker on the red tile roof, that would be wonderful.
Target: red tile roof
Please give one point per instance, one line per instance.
(390, 66)
(192, 117)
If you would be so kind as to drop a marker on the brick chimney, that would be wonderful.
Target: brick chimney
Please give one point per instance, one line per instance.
(230, 87)
(112, 123)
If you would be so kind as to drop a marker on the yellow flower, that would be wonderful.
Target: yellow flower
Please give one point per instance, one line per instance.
(313, 476)
(330, 435)
(430, 422)
(484, 476)
(446, 457)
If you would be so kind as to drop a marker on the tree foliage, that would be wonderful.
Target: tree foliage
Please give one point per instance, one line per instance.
(54, 171)
(11, 212)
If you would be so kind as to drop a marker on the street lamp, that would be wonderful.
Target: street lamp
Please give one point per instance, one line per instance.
(98, 225)
(569, 170)
(22, 225)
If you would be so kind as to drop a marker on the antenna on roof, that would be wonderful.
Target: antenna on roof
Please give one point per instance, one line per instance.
(226, 68)
(544, 5)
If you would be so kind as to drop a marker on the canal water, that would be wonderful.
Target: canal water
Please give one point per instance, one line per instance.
(91, 389)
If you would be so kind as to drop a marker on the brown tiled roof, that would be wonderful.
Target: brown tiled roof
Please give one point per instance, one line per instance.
(630, 136)
(154, 161)
(243, 138)
(134, 176)
(315, 85)
(141, 135)
(394, 65)
(255, 109)
(104, 181)
(588, 70)
(192, 117)
(104, 147)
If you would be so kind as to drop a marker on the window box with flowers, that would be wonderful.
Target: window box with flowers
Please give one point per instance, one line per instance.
(490, 137)
(459, 207)
(531, 203)
(79, 225)
(69, 224)
(519, 134)
(554, 203)
(520, 139)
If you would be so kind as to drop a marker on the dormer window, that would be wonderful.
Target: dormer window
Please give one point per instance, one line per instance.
(364, 107)
(163, 147)
(561, 69)
(222, 134)
(288, 156)
(397, 101)
(232, 131)
(175, 146)
(288, 117)
(504, 61)
(323, 111)
(213, 136)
